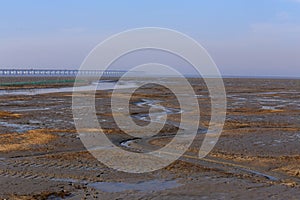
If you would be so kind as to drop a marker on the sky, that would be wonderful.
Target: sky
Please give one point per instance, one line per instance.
(244, 37)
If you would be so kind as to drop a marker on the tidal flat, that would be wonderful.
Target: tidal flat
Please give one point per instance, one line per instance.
(256, 157)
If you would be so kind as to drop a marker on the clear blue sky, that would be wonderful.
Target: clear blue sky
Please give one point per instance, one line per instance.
(244, 37)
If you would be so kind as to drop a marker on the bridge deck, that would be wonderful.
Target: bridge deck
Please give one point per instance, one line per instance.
(45, 72)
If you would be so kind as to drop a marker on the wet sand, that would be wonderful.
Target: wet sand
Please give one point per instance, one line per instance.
(257, 156)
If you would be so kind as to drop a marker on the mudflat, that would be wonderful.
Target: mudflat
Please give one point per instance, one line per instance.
(256, 157)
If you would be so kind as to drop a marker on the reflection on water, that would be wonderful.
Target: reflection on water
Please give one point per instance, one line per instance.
(102, 85)
(156, 116)
(147, 186)
(19, 128)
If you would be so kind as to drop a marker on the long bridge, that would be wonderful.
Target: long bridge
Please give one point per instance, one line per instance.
(53, 72)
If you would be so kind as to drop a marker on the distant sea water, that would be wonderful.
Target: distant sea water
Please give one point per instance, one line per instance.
(245, 77)
(101, 85)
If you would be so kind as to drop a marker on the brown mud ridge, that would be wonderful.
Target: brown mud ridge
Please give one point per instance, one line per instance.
(256, 157)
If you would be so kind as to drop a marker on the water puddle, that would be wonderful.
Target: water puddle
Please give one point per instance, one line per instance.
(269, 108)
(127, 143)
(271, 178)
(68, 180)
(279, 92)
(156, 117)
(35, 122)
(20, 128)
(272, 100)
(29, 109)
(147, 186)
